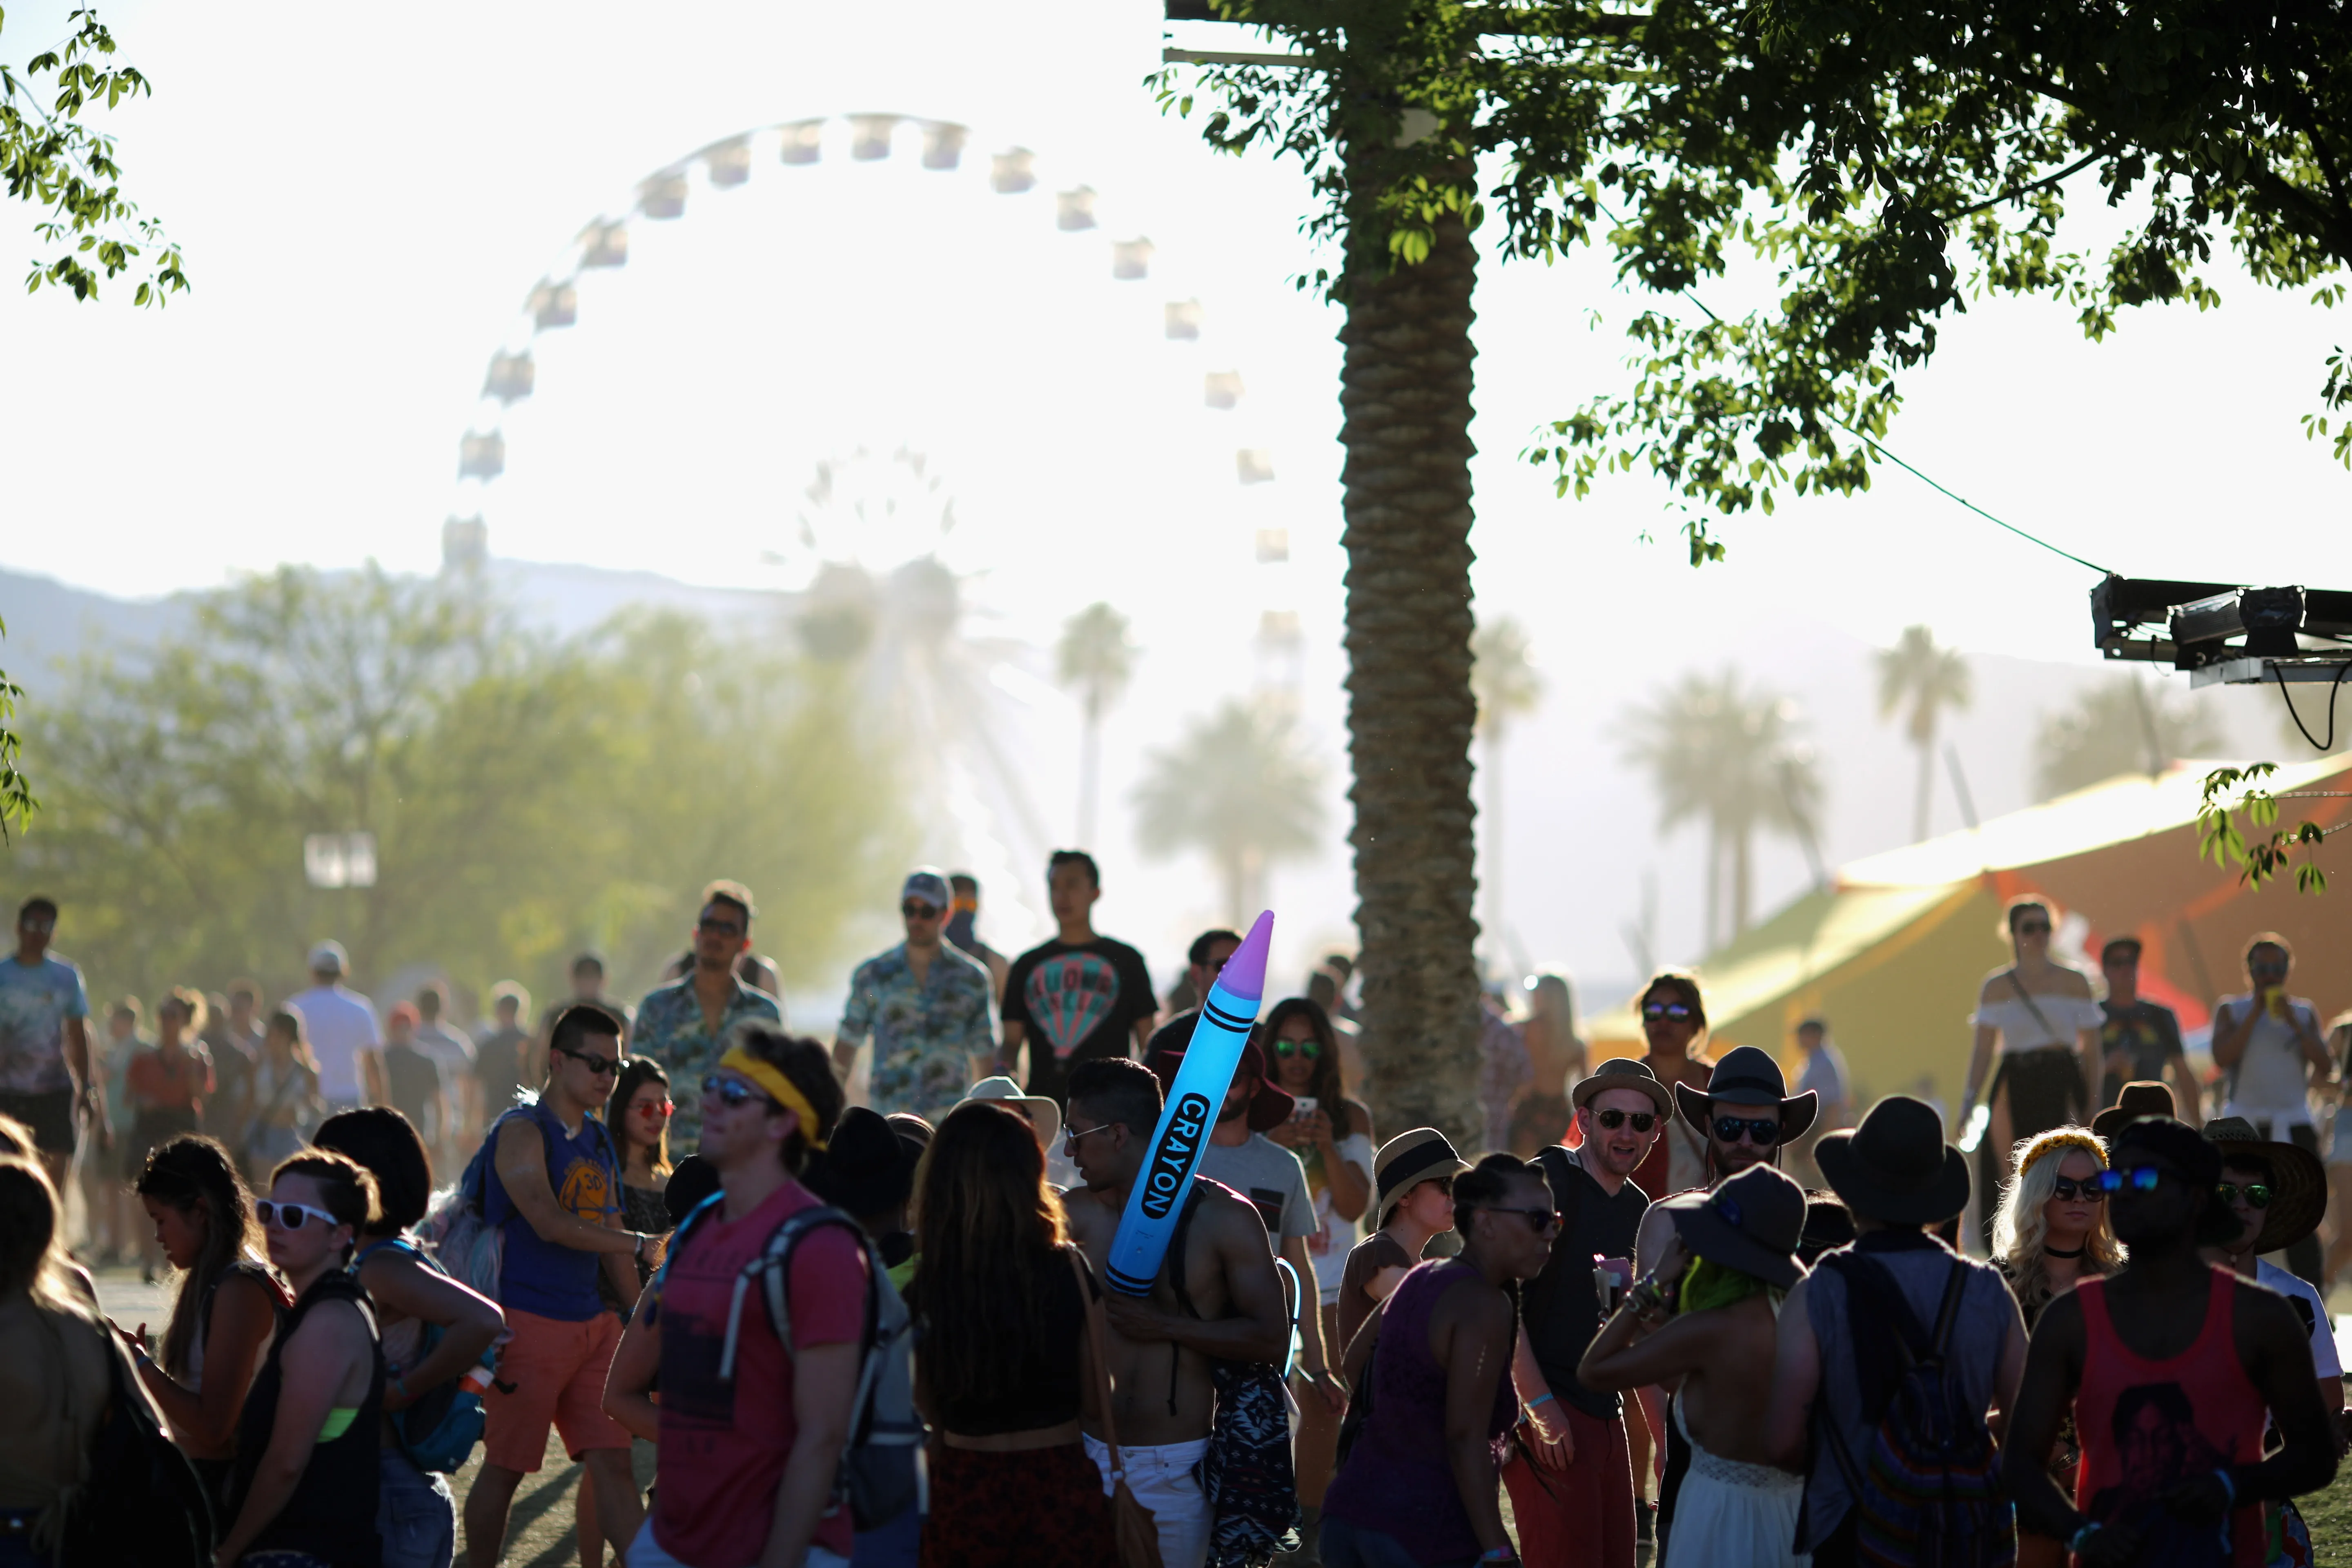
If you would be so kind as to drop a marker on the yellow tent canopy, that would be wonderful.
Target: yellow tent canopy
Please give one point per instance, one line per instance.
(1893, 954)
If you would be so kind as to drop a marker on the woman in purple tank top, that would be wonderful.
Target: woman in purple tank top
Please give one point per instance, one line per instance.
(1417, 1490)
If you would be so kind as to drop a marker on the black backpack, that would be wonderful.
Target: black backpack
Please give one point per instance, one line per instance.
(132, 1458)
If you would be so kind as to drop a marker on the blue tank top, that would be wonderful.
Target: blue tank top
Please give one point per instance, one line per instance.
(541, 1276)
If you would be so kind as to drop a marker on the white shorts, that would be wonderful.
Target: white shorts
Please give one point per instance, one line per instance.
(645, 1551)
(1162, 1481)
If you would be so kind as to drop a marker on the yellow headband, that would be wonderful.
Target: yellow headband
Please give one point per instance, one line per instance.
(781, 1089)
(2051, 1143)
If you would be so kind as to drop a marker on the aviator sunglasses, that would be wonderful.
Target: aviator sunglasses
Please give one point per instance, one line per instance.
(1656, 1010)
(733, 1091)
(2256, 1195)
(2139, 1179)
(1310, 1049)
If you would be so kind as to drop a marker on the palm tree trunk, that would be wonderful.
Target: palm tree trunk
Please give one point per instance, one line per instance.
(1741, 867)
(1234, 865)
(1405, 388)
(1927, 782)
(1089, 770)
(1714, 887)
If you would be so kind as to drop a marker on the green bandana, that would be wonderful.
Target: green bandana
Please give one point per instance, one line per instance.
(1707, 1284)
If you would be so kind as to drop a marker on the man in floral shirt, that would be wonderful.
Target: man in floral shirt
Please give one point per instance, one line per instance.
(928, 1006)
(683, 1025)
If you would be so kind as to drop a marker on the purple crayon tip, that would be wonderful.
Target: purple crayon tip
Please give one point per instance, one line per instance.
(1244, 972)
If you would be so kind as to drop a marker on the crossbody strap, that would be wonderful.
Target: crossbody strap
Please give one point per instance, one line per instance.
(1091, 1300)
(2027, 997)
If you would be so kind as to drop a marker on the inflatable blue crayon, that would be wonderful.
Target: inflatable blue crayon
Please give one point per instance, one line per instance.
(1227, 1015)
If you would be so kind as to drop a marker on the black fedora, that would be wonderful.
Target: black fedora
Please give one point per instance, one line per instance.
(1753, 1222)
(1895, 1166)
(866, 1169)
(1746, 1076)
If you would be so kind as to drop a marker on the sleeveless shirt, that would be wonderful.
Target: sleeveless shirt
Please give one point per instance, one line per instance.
(331, 1513)
(2147, 1424)
(1399, 1478)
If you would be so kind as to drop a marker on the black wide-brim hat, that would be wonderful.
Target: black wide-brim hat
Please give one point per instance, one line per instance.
(2298, 1181)
(1895, 1166)
(1753, 1222)
(1746, 1076)
(2143, 1097)
(866, 1168)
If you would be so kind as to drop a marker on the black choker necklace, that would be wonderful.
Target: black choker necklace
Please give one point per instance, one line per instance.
(2061, 1252)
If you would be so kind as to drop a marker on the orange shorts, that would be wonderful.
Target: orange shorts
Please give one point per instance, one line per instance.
(556, 1370)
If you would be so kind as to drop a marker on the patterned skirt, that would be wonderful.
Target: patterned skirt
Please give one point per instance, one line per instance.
(1042, 1508)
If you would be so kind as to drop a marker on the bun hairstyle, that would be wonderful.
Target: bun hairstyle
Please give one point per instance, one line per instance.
(1483, 1183)
(346, 1188)
(809, 1066)
(195, 1175)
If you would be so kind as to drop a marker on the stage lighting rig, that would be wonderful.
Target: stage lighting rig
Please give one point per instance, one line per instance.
(2225, 632)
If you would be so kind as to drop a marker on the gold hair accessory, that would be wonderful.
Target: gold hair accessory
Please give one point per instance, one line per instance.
(2053, 1143)
(780, 1089)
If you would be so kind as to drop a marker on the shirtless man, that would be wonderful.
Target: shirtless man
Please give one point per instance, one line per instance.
(1748, 1098)
(1159, 1357)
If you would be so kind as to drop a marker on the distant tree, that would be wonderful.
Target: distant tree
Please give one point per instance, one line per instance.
(1239, 787)
(1921, 680)
(1734, 759)
(17, 803)
(2119, 727)
(528, 795)
(1094, 658)
(1504, 678)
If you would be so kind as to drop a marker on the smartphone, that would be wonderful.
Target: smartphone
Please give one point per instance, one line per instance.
(1307, 1103)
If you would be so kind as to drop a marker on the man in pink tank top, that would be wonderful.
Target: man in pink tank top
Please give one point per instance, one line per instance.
(2170, 1367)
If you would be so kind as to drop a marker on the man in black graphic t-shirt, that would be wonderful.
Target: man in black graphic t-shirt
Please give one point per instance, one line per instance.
(1078, 996)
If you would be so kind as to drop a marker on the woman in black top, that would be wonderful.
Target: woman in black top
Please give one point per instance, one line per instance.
(228, 1306)
(310, 1442)
(638, 1115)
(1005, 1371)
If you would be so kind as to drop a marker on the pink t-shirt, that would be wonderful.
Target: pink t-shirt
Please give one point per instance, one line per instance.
(724, 1443)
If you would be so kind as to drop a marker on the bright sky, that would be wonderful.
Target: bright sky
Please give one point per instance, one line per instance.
(366, 198)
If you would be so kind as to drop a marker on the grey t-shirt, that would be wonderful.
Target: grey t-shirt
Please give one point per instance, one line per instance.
(1986, 1312)
(1270, 1176)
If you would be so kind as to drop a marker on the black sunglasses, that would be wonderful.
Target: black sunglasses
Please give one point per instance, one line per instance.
(1763, 1133)
(710, 927)
(2256, 1195)
(1656, 1010)
(916, 910)
(733, 1091)
(1543, 1222)
(2033, 928)
(595, 1064)
(2066, 1190)
(1642, 1121)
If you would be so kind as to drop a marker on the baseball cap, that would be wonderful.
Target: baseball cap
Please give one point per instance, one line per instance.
(329, 958)
(930, 884)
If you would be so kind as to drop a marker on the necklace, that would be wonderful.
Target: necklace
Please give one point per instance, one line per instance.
(2061, 1252)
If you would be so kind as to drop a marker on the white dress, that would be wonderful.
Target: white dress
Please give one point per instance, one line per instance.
(1733, 1515)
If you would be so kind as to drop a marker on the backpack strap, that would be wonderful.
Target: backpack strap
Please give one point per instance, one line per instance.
(1948, 1315)
(772, 1268)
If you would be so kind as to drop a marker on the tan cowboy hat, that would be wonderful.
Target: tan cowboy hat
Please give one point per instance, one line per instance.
(2298, 1181)
(1042, 1113)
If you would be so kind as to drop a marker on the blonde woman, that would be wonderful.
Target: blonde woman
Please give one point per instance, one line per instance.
(2052, 1228)
(2049, 1234)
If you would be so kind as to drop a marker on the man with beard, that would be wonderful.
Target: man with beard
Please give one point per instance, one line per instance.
(1161, 1353)
(2169, 1367)
(1746, 1116)
(1573, 1500)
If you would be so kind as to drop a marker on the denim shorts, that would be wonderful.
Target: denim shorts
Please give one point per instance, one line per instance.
(414, 1515)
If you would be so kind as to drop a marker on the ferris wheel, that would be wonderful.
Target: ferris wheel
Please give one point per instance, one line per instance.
(1182, 339)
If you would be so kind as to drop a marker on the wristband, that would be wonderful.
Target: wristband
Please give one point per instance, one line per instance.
(1539, 1399)
(2081, 1538)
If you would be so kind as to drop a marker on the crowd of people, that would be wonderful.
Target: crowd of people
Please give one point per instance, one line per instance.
(876, 1332)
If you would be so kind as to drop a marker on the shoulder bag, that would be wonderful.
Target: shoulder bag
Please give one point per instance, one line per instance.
(1132, 1527)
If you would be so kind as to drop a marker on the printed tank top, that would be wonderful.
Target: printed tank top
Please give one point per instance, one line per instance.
(2145, 1425)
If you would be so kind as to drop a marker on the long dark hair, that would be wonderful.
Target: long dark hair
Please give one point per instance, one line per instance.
(1323, 1083)
(385, 1144)
(195, 1175)
(990, 1231)
(640, 1071)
